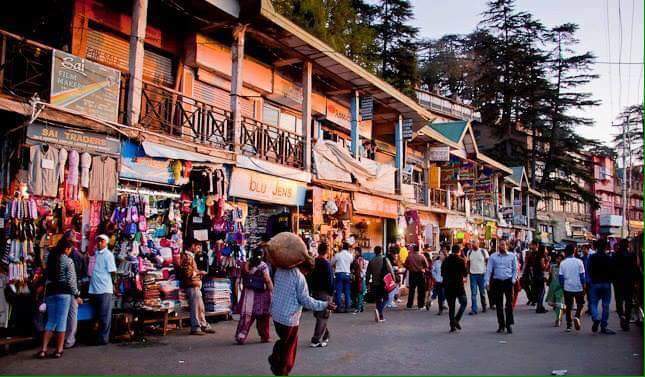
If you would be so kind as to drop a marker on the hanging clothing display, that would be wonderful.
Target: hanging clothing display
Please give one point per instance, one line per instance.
(103, 179)
(43, 170)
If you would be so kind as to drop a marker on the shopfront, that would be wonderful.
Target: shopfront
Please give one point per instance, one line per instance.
(371, 216)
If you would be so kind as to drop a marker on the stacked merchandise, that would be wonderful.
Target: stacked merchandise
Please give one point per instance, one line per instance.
(171, 295)
(151, 293)
(217, 295)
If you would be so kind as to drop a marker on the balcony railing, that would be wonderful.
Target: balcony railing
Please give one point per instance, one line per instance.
(271, 143)
(175, 114)
(439, 198)
(420, 193)
(483, 210)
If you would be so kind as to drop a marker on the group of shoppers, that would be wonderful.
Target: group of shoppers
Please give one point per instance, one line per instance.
(62, 295)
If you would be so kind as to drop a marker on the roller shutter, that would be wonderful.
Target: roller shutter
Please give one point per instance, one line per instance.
(113, 51)
(220, 98)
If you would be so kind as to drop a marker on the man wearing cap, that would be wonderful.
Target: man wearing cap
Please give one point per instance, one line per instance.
(102, 287)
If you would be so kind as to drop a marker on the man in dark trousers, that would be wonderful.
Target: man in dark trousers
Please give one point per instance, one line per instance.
(626, 273)
(322, 287)
(501, 275)
(454, 272)
(600, 276)
(416, 264)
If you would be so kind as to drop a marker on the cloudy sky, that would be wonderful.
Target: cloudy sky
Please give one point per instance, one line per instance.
(438, 17)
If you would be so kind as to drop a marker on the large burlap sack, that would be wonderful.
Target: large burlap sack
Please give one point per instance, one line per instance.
(287, 250)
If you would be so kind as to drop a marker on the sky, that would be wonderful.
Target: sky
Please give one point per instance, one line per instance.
(599, 33)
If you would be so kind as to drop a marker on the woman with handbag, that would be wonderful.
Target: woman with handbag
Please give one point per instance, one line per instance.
(255, 304)
(60, 289)
(381, 277)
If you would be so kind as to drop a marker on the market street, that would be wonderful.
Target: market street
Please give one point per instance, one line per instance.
(410, 342)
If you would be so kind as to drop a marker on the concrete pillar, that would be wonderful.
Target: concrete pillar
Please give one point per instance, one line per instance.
(237, 56)
(135, 62)
(353, 109)
(306, 112)
(528, 210)
(398, 140)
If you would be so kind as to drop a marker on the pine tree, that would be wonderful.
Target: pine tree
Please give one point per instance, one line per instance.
(632, 120)
(396, 41)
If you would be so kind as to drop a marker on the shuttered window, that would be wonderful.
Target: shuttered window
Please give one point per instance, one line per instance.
(113, 51)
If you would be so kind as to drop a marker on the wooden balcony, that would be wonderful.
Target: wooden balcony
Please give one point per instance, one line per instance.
(25, 69)
(271, 143)
(172, 113)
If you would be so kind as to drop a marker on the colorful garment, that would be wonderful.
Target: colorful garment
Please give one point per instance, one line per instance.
(254, 305)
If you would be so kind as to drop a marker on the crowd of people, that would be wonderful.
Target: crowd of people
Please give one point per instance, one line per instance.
(343, 282)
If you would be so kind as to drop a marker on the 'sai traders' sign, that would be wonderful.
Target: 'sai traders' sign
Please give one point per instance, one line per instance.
(84, 86)
(74, 139)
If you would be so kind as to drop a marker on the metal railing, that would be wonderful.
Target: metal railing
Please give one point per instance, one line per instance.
(420, 193)
(271, 143)
(169, 111)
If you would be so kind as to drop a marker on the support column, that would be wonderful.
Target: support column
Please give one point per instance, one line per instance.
(353, 109)
(426, 176)
(306, 112)
(237, 56)
(528, 210)
(135, 63)
(503, 193)
(398, 140)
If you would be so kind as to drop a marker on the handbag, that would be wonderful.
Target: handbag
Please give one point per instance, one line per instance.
(389, 284)
(254, 281)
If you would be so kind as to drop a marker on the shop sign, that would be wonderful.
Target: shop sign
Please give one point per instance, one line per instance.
(439, 153)
(367, 107)
(74, 139)
(136, 165)
(407, 129)
(266, 188)
(338, 114)
(84, 86)
(375, 206)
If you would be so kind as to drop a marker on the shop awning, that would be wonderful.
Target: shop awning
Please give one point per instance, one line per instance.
(455, 222)
(163, 151)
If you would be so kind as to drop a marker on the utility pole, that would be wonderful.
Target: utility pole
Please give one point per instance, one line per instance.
(623, 227)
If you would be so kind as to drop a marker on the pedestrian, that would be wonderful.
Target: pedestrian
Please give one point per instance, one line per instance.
(454, 272)
(427, 253)
(585, 254)
(191, 281)
(539, 265)
(290, 295)
(342, 268)
(626, 273)
(377, 269)
(322, 288)
(255, 304)
(394, 258)
(358, 269)
(477, 258)
(526, 280)
(501, 276)
(102, 287)
(416, 264)
(80, 266)
(600, 277)
(572, 279)
(555, 297)
(60, 289)
(439, 292)
(519, 258)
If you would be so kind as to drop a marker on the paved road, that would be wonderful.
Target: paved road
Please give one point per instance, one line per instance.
(410, 342)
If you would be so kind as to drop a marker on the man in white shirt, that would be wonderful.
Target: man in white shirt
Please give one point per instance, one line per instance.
(477, 258)
(572, 278)
(341, 263)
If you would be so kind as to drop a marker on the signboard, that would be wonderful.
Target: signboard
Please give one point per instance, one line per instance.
(266, 188)
(366, 107)
(455, 222)
(137, 166)
(375, 206)
(407, 129)
(84, 86)
(439, 153)
(338, 114)
(74, 139)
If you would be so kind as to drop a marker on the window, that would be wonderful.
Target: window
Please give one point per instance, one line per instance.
(271, 115)
(277, 117)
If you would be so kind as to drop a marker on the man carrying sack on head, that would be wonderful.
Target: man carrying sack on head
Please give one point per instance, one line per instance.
(288, 253)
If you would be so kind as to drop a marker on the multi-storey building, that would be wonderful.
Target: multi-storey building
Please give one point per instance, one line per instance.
(293, 124)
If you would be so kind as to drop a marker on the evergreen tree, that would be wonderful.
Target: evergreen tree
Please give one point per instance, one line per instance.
(396, 41)
(632, 120)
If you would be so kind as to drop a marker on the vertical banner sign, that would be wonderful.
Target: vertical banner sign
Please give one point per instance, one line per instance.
(407, 129)
(367, 107)
(84, 86)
